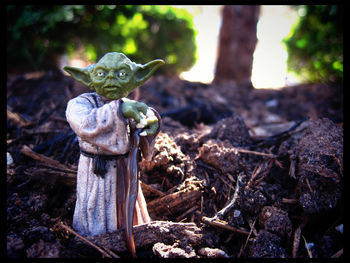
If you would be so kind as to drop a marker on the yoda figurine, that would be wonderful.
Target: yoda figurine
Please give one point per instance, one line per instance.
(111, 129)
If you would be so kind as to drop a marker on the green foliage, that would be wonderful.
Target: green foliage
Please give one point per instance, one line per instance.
(38, 34)
(315, 45)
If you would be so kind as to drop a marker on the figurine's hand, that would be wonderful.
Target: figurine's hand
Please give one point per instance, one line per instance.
(152, 124)
(143, 116)
(132, 109)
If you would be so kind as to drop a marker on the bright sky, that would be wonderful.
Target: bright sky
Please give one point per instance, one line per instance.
(270, 56)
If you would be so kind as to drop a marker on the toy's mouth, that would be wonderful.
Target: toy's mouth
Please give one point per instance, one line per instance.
(112, 92)
(111, 88)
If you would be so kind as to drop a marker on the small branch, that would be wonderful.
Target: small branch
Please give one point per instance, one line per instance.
(69, 179)
(296, 242)
(223, 225)
(246, 242)
(332, 153)
(289, 201)
(46, 160)
(186, 213)
(293, 163)
(263, 169)
(240, 150)
(308, 185)
(17, 118)
(307, 248)
(106, 252)
(224, 210)
(225, 182)
(256, 171)
(338, 254)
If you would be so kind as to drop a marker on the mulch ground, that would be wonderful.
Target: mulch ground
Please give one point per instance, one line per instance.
(236, 172)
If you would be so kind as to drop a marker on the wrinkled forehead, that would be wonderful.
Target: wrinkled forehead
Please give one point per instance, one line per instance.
(114, 60)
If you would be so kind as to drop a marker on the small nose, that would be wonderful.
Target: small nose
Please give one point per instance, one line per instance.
(111, 74)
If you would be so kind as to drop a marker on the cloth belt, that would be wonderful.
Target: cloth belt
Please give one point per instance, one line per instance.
(100, 161)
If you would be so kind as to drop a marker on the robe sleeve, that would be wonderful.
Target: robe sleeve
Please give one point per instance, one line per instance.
(103, 127)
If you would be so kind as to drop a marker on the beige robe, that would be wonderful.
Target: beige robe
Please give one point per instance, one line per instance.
(101, 129)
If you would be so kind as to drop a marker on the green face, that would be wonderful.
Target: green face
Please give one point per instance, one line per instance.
(112, 77)
(115, 75)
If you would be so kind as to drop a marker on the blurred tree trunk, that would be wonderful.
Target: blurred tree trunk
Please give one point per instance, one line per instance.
(237, 42)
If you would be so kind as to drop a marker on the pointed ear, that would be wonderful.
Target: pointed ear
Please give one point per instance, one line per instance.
(144, 72)
(80, 74)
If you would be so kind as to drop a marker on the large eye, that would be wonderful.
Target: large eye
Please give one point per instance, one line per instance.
(100, 74)
(122, 74)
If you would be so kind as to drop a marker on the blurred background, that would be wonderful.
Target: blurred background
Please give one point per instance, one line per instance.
(271, 46)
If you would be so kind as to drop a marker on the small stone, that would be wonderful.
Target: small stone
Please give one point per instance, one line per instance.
(267, 245)
(212, 253)
(9, 159)
(275, 221)
(340, 228)
(236, 213)
(43, 249)
(172, 251)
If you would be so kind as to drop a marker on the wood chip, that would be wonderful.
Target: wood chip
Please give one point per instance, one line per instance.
(146, 187)
(175, 202)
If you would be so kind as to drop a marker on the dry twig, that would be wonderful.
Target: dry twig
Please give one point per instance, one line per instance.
(223, 225)
(187, 213)
(332, 153)
(256, 171)
(46, 160)
(146, 187)
(262, 169)
(338, 254)
(307, 248)
(296, 242)
(246, 242)
(289, 201)
(224, 210)
(240, 150)
(17, 118)
(104, 251)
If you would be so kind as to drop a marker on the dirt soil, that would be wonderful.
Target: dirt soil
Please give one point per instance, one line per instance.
(258, 173)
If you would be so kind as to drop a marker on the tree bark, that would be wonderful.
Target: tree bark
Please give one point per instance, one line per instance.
(237, 43)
